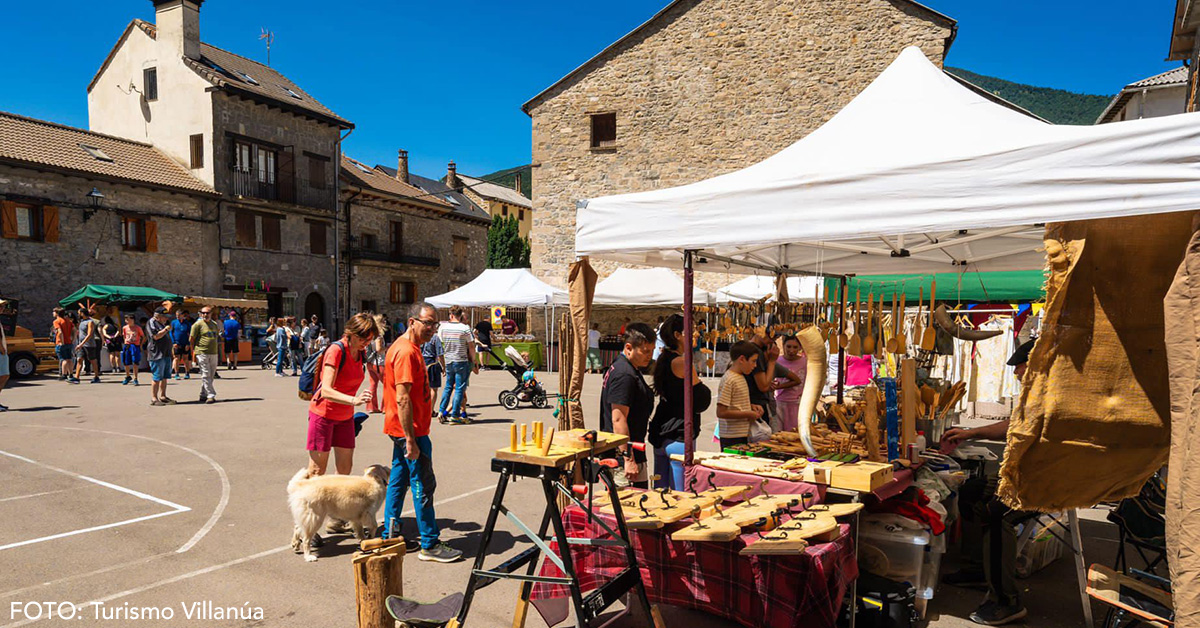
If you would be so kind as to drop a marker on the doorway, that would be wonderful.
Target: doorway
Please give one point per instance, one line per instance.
(314, 303)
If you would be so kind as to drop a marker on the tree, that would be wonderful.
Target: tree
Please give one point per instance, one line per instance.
(506, 247)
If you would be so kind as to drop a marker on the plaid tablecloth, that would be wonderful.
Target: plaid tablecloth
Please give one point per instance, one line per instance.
(777, 591)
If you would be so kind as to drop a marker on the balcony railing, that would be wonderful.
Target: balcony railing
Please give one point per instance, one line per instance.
(244, 183)
(417, 256)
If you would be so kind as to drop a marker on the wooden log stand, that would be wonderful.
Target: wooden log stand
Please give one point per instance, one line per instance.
(378, 573)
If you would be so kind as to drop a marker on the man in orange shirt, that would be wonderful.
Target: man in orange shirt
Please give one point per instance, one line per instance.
(64, 337)
(408, 411)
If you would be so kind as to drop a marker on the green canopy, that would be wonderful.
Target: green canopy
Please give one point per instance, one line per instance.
(1002, 286)
(118, 295)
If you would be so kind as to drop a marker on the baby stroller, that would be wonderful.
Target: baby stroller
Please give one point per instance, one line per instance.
(527, 389)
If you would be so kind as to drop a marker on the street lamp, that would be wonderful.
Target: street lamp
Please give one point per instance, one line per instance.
(95, 198)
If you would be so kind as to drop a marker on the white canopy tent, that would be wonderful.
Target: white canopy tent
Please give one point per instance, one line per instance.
(507, 287)
(645, 286)
(755, 287)
(917, 174)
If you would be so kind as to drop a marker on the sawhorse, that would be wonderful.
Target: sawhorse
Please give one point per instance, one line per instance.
(556, 481)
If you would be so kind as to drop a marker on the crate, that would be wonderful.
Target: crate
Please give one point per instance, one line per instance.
(893, 552)
(862, 476)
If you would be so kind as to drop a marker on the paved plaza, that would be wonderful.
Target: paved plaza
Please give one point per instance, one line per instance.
(108, 499)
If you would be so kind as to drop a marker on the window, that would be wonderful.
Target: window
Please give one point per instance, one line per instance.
(368, 242)
(520, 214)
(397, 238)
(369, 306)
(403, 292)
(604, 130)
(197, 144)
(27, 223)
(243, 157)
(247, 230)
(150, 83)
(316, 237)
(460, 254)
(96, 153)
(291, 93)
(270, 228)
(266, 165)
(504, 210)
(133, 233)
(316, 171)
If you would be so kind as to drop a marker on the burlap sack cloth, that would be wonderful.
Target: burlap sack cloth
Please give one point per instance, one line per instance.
(1092, 423)
(1182, 309)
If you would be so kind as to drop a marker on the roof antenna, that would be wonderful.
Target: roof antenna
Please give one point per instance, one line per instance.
(268, 37)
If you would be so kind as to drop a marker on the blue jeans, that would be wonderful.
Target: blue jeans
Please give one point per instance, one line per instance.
(417, 474)
(670, 472)
(279, 360)
(457, 376)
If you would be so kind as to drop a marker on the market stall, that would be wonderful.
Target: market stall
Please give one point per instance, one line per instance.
(251, 312)
(512, 287)
(921, 175)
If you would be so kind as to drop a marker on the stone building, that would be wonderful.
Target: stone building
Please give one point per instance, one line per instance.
(703, 88)
(1163, 94)
(78, 207)
(409, 237)
(496, 200)
(1185, 46)
(264, 144)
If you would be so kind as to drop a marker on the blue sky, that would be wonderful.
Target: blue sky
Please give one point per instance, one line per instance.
(446, 80)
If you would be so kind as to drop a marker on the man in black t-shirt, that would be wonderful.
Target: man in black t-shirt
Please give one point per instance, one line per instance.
(626, 401)
(483, 340)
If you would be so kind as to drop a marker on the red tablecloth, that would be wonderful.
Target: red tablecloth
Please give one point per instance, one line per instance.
(901, 480)
(756, 591)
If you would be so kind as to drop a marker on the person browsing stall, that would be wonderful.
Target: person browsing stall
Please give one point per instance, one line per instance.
(408, 412)
(788, 389)
(666, 431)
(231, 334)
(332, 405)
(626, 401)
(735, 413)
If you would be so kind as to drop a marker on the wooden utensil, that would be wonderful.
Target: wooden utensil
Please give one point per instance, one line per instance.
(879, 342)
(868, 341)
(892, 342)
(929, 338)
(843, 324)
(855, 347)
(901, 338)
(918, 322)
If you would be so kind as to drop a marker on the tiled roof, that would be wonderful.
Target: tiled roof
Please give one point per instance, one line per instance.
(365, 176)
(1178, 76)
(238, 74)
(61, 147)
(498, 192)
(463, 206)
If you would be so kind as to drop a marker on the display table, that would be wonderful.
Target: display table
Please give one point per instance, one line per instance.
(901, 480)
(805, 590)
(532, 347)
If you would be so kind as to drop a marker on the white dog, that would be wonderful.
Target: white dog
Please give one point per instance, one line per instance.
(354, 499)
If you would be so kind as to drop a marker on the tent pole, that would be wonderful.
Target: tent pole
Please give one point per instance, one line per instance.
(841, 376)
(689, 445)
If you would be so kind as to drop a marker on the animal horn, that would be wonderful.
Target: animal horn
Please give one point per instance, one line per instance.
(942, 319)
(814, 347)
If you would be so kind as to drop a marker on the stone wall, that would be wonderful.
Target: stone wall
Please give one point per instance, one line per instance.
(426, 234)
(710, 87)
(39, 274)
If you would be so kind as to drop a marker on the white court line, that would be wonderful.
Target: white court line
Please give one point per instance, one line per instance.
(175, 508)
(85, 478)
(239, 561)
(11, 499)
(221, 504)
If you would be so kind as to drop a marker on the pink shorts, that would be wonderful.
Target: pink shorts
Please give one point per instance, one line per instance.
(324, 434)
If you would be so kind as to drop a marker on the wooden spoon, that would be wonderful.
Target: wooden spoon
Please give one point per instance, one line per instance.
(918, 322)
(894, 341)
(855, 347)
(929, 339)
(868, 341)
(879, 343)
(901, 339)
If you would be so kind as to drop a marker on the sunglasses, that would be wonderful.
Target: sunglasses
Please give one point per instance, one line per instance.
(428, 323)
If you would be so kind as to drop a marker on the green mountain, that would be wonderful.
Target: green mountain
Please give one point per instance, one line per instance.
(1056, 105)
(507, 177)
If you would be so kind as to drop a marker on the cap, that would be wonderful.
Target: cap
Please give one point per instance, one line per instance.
(160, 310)
(1021, 355)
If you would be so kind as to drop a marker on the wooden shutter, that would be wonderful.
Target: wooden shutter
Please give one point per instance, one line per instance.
(394, 297)
(246, 235)
(8, 219)
(316, 238)
(271, 239)
(151, 236)
(410, 292)
(49, 223)
(286, 176)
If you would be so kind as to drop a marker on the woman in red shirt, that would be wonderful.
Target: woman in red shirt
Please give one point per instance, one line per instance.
(331, 411)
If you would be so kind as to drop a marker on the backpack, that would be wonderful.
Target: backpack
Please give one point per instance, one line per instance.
(309, 384)
(294, 342)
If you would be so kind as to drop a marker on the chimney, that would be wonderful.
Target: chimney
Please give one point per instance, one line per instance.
(452, 180)
(517, 182)
(178, 26)
(402, 165)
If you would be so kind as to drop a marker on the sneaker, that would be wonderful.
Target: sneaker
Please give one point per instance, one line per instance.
(157, 403)
(211, 400)
(177, 377)
(3, 408)
(187, 376)
(127, 380)
(460, 420)
(442, 553)
(337, 526)
(203, 397)
(279, 375)
(996, 614)
(167, 401)
(216, 375)
(136, 383)
(72, 380)
(443, 418)
(95, 380)
(967, 578)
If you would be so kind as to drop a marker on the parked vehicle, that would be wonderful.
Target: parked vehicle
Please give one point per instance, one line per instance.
(26, 355)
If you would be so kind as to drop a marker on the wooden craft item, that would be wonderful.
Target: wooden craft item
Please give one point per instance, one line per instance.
(862, 476)
(871, 420)
(839, 415)
(868, 341)
(855, 346)
(843, 339)
(929, 338)
(641, 516)
(523, 439)
(948, 325)
(378, 573)
(908, 402)
(561, 449)
(918, 324)
(879, 344)
(901, 337)
(836, 511)
(792, 536)
(512, 437)
(751, 466)
(892, 342)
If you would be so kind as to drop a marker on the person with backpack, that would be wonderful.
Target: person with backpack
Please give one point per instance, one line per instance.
(335, 394)
(374, 354)
(295, 346)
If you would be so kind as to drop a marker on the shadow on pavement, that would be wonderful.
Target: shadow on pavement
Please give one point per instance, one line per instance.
(40, 408)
